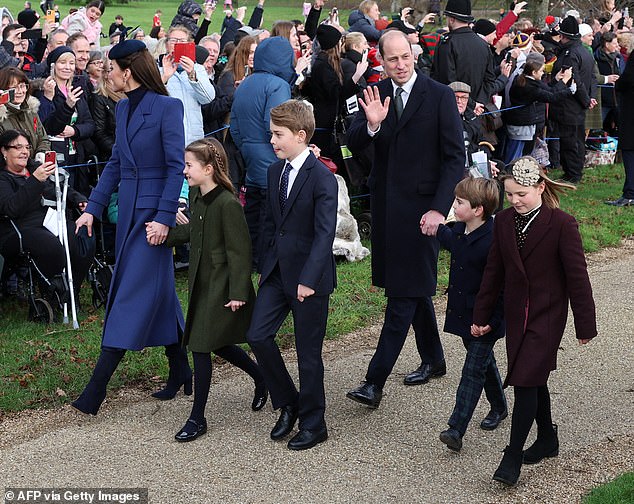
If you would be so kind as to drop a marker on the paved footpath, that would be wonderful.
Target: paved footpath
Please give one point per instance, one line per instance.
(388, 455)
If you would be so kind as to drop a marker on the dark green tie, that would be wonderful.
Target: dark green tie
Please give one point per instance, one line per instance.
(398, 102)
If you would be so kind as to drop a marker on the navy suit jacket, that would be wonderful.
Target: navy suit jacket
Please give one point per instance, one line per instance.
(300, 240)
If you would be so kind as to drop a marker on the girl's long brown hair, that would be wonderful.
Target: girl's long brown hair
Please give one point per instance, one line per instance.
(210, 151)
(240, 57)
(334, 58)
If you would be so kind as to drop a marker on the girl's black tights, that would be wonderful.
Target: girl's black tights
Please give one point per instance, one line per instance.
(531, 403)
(202, 374)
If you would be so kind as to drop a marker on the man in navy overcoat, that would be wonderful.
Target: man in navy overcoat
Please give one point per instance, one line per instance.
(419, 157)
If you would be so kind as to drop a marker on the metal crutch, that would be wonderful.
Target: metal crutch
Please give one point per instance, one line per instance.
(60, 200)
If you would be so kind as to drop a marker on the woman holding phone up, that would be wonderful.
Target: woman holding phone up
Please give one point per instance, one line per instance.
(147, 162)
(63, 108)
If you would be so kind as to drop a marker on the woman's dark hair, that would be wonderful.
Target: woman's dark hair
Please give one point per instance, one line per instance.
(607, 37)
(527, 71)
(144, 71)
(155, 31)
(99, 4)
(6, 138)
(8, 74)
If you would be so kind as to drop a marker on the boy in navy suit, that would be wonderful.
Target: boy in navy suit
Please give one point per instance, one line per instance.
(297, 274)
(469, 242)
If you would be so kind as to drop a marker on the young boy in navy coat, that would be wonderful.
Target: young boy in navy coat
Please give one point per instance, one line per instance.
(469, 241)
(297, 271)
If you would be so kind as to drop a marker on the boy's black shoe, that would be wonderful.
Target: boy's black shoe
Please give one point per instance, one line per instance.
(493, 419)
(546, 445)
(452, 438)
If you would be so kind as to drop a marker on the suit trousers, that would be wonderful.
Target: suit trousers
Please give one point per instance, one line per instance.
(572, 149)
(309, 319)
(400, 314)
(628, 165)
(479, 371)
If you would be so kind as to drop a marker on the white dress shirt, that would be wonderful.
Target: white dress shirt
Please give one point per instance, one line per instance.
(407, 90)
(296, 164)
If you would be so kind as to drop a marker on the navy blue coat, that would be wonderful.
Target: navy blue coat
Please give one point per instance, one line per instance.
(147, 164)
(300, 241)
(417, 163)
(468, 259)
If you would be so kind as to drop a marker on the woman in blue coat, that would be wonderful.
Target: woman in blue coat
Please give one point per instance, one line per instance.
(146, 164)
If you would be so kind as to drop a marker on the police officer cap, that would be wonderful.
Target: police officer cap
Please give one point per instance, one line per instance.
(125, 48)
(569, 27)
(460, 10)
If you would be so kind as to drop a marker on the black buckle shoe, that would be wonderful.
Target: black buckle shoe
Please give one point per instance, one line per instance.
(191, 430)
(260, 395)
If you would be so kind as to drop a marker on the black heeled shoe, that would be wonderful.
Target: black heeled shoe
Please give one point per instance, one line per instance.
(260, 396)
(545, 446)
(180, 374)
(170, 390)
(191, 430)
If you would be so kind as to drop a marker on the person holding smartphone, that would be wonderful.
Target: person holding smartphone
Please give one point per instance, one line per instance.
(21, 111)
(65, 113)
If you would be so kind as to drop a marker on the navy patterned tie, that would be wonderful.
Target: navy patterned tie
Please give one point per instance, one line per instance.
(398, 102)
(284, 186)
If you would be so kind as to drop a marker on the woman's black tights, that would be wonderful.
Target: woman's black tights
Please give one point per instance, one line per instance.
(531, 403)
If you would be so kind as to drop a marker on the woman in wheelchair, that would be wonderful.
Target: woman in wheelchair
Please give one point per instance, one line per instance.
(24, 184)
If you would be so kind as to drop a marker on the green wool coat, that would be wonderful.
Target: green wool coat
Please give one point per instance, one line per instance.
(219, 270)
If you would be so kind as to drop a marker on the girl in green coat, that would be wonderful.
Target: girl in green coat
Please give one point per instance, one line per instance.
(221, 293)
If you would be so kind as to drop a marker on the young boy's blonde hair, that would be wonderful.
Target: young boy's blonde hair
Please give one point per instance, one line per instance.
(479, 191)
(296, 115)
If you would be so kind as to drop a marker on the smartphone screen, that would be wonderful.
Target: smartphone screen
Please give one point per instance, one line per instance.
(50, 157)
(187, 49)
(364, 57)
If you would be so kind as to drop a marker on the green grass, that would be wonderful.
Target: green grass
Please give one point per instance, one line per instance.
(47, 366)
(141, 12)
(618, 491)
(601, 225)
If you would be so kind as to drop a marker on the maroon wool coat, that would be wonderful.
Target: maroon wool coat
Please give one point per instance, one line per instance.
(538, 281)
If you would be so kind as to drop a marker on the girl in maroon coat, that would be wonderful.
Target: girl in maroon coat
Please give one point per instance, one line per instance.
(537, 257)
